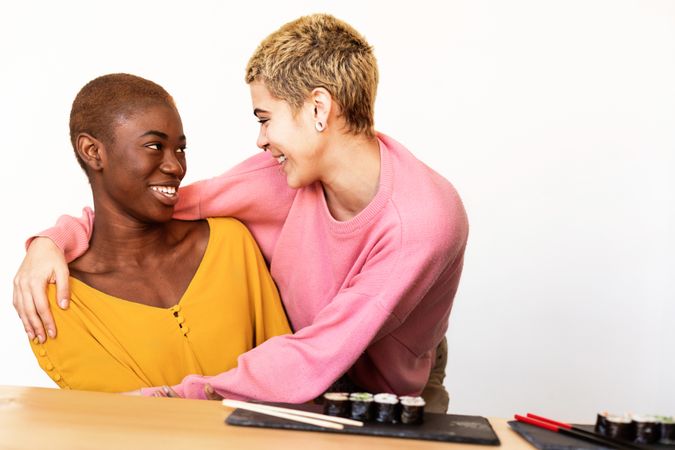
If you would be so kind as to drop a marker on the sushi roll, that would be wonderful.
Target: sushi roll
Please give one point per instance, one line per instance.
(647, 429)
(361, 406)
(386, 408)
(412, 410)
(667, 435)
(620, 427)
(336, 404)
(601, 423)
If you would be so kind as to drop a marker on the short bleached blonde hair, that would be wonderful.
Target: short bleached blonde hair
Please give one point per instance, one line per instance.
(320, 51)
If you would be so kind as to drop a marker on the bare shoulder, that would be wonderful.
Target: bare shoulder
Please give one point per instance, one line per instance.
(192, 231)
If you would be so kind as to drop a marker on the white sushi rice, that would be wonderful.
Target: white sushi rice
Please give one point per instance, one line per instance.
(389, 399)
(412, 401)
(361, 397)
(336, 396)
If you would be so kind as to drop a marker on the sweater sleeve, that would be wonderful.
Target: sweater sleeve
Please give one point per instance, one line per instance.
(70, 234)
(267, 312)
(254, 192)
(297, 368)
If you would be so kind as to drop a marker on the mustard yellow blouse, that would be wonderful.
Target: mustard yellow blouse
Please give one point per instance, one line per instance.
(105, 343)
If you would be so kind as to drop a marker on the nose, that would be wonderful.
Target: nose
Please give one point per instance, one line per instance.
(172, 164)
(262, 141)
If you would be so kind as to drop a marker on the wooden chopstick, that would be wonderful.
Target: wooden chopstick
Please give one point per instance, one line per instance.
(294, 417)
(321, 420)
(577, 433)
(298, 412)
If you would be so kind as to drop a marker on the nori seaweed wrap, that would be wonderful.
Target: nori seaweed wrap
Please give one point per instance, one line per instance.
(386, 408)
(412, 410)
(667, 430)
(647, 429)
(615, 426)
(362, 406)
(336, 404)
(620, 427)
(639, 429)
(601, 423)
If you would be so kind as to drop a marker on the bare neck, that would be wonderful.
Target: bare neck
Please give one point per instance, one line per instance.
(120, 241)
(352, 177)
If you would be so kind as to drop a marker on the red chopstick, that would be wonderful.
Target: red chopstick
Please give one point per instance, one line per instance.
(579, 433)
(590, 433)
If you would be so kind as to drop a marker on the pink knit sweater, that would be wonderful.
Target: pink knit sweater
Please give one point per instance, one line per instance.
(369, 296)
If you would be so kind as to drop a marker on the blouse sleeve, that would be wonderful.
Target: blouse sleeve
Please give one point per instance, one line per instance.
(49, 354)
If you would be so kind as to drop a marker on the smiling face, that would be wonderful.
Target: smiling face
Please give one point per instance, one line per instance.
(289, 138)
(143, 165)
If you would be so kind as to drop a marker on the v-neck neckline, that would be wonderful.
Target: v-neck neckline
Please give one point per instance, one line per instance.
(183, 298)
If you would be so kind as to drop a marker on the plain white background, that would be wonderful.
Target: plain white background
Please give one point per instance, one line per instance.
(554, 120)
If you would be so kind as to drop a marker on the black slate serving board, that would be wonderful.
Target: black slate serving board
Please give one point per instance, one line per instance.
(436, 427)
(550, 440)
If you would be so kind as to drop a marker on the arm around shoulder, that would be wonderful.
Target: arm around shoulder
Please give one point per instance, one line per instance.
(44, 263)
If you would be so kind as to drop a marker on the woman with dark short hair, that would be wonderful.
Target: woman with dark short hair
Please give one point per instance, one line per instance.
(152, 299)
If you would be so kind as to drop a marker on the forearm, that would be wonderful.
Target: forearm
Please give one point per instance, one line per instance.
(70, 234)
(254, 192)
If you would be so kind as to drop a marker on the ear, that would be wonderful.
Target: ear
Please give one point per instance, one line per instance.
(322, 103)
(90, 150)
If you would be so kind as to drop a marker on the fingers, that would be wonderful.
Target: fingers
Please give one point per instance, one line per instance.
(43, 263)
(42, 308)
(25, 306)
(170, 392)
(210, 393)
(17, 301)
(33, 319)
(137, 392)
(165, 391)
(62, 286)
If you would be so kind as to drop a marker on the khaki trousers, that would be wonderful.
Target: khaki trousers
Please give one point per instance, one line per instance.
(434, 392)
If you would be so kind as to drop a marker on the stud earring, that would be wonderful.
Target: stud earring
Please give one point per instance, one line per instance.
(319, 126)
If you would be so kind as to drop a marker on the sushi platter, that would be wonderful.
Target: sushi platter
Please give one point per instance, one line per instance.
(543, 439)
(378, 415)
(625, 431)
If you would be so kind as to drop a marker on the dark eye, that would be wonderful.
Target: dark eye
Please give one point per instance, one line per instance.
(181, 149)
(154, 146)
(262, 121)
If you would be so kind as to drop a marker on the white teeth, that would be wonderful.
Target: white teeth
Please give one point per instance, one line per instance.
(166, 190)
(281, 159)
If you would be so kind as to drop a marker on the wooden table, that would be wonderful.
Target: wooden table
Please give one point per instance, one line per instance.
(40, 418)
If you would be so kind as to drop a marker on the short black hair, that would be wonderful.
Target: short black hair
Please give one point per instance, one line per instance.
(104, 100)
